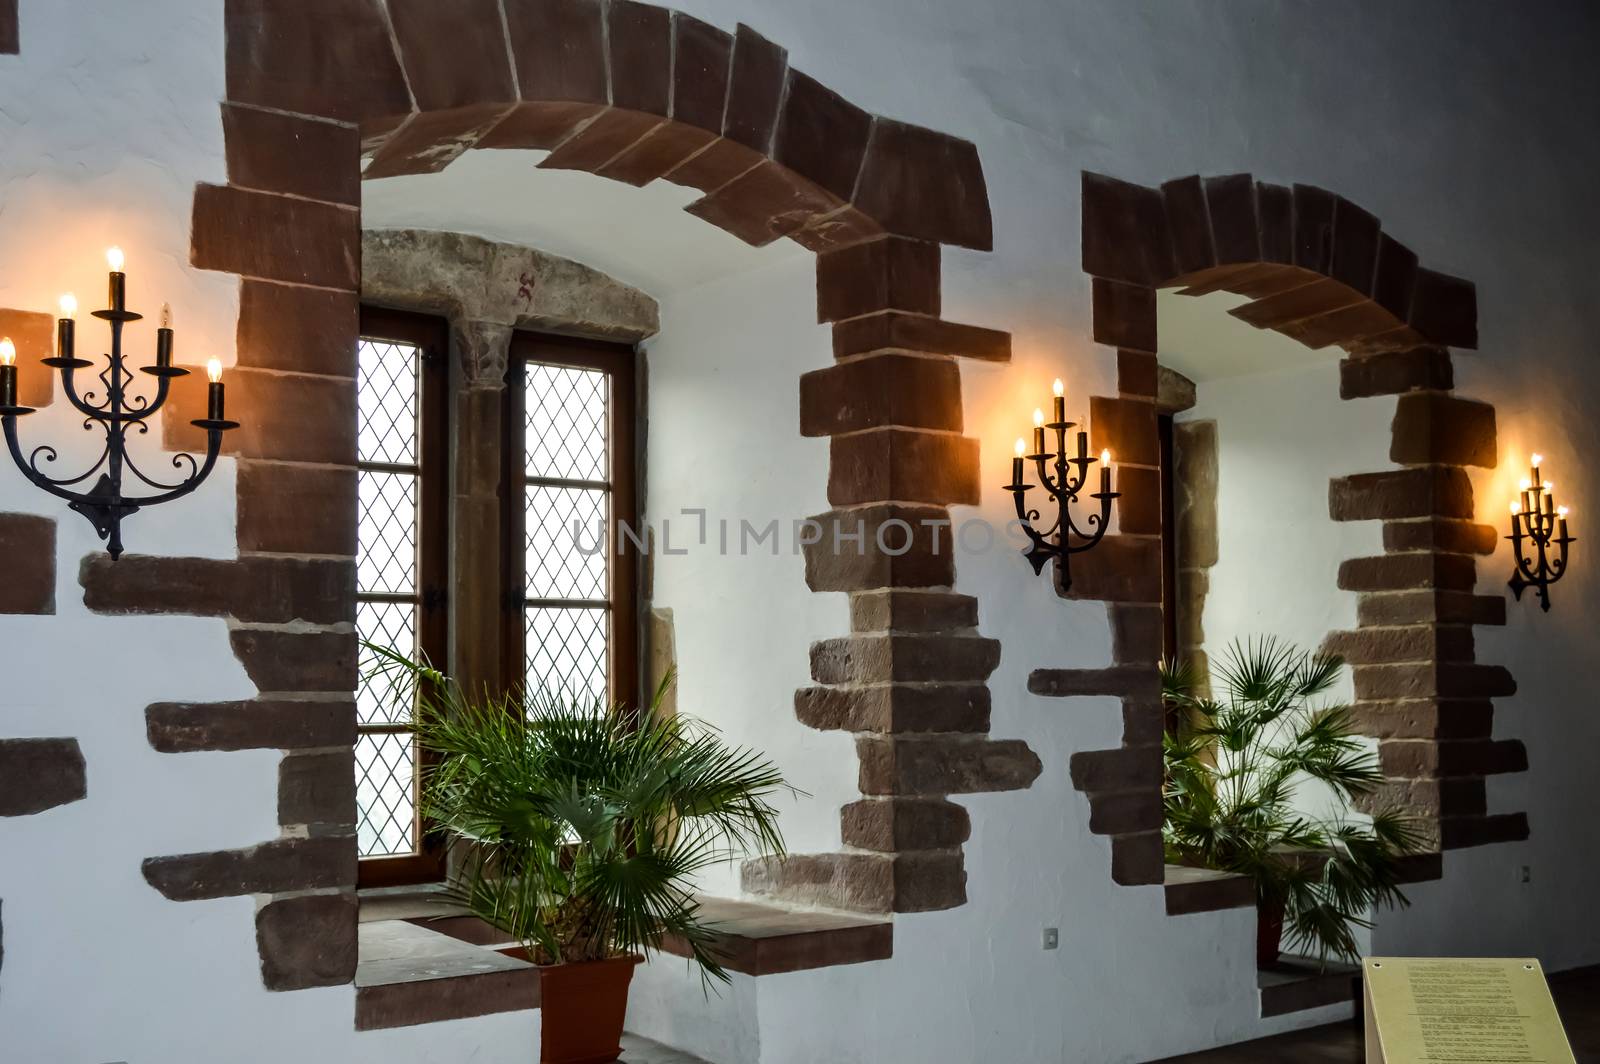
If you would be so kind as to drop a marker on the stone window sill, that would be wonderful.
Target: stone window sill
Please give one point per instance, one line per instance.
(408, 972)
(423, 958)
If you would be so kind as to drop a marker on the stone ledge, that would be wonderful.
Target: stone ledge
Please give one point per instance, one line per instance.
(1295, 984)
(1203, 890)
(757, 938)
(409, 975)
(768, 939)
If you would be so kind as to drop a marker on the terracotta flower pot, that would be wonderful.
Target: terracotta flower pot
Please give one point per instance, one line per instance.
(581, 1010)
(1269, 932)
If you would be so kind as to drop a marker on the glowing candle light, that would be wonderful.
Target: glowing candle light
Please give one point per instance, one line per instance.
(8, 372)
(1561, 512)
(1016, 464)
(1038, 431)
(119, 280)
(214, 391)
(1105, 472)
(65, 326)
(1059, 405)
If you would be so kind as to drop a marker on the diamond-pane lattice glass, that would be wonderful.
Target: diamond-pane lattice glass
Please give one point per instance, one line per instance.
(566, 542)
(385, 803)
(567, 651)
(387, 562)
(386, 396)
(383, 698)
(566, 422)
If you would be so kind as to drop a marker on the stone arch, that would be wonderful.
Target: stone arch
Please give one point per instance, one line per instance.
(1319, 269)
(632, 92)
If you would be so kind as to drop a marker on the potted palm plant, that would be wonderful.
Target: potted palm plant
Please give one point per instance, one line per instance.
(578, 827)
(1234, 764)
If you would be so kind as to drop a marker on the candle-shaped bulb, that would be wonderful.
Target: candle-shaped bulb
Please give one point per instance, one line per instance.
(114, 259)
(8, 351)
(1562, 511)
(214, 370)
(1547, 486)
(1516, 507)
(1105, 457)
(1525, 485)
(1058, 405)
(166, 315)
(1058, 389)
(1038, 417)
(1537, 459)
(1021, 446)
(69, 305)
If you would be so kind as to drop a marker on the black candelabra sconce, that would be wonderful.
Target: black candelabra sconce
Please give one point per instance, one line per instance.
(1538, 537)
(115, 412)
(1063, 479)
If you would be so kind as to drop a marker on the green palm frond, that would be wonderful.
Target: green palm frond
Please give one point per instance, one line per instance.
(585, 823)
(1233, 768)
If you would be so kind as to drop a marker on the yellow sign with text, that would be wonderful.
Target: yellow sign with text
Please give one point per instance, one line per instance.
(1436, 1010)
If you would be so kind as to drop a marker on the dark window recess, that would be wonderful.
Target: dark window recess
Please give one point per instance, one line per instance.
(401, 602)
(572, 619)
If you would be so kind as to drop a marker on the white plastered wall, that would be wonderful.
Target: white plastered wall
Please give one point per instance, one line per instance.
(1462, 126)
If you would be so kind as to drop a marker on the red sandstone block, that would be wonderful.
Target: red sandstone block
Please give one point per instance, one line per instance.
(34, 336)
(1189, 222)
(880, 391)
(307, 941)
(895, 331)
(925, 185)
(1125, 234)
(1433, 428)
(27, 564)
(1427, 491)
(822, 136)
(1124, 314)
(276, 238)
(903, 465)
(890, 273)
(274, 152)
(272, 45)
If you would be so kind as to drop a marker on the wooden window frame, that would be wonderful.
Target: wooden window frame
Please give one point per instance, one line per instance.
(618, 362)
(431, 336)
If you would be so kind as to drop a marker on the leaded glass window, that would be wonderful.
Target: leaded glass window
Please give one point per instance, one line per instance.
(400, 521)
(574, 478)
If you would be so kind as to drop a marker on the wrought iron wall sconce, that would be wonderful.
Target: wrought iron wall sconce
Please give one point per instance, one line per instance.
(1539, 528)
(115, 413)
(1063, 479)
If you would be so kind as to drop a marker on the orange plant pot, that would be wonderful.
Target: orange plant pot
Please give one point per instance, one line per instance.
(581, 1010)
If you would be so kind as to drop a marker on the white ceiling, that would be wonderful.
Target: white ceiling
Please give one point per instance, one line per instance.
(640, 236)
(1202, 341)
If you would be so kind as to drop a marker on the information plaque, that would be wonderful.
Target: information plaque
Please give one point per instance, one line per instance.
(1432, 1010)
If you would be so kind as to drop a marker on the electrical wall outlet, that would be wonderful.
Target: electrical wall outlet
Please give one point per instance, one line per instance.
(1051, 938)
